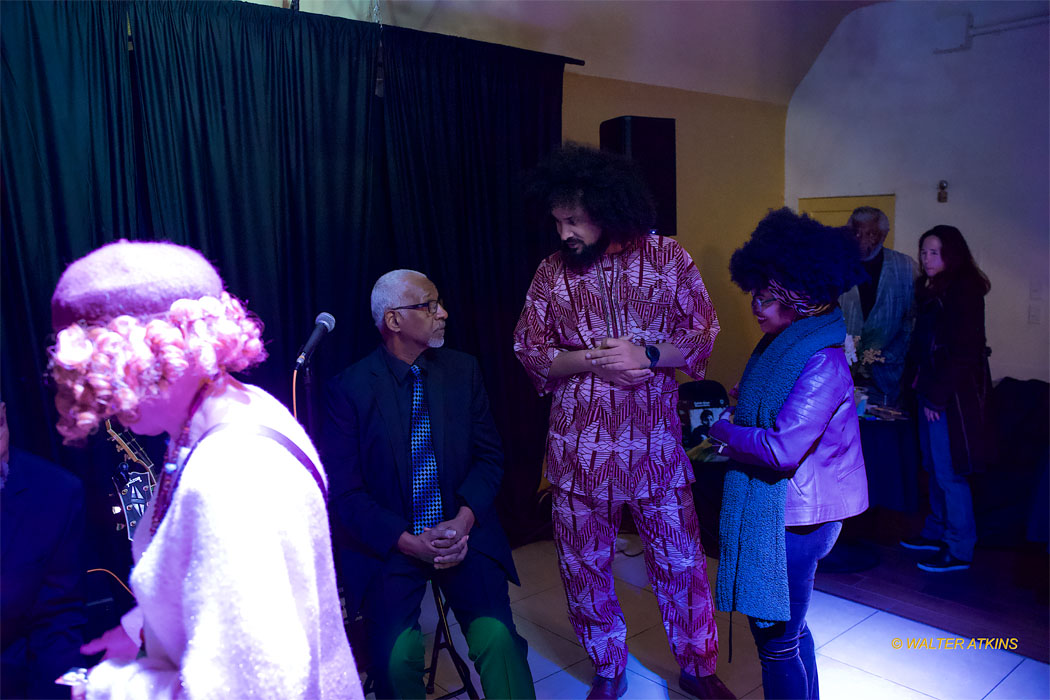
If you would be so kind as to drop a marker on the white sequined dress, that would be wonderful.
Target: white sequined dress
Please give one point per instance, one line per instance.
(237, 587)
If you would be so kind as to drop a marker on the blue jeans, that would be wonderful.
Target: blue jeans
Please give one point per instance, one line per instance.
(951, 504)
(786, 650)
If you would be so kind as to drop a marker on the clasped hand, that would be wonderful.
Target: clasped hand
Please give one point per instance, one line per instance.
(619, 361)
(443, 545)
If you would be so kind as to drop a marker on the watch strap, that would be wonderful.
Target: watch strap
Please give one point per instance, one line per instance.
(653, 353)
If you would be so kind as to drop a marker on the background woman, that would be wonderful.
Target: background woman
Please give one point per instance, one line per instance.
(949, 371)
(233, 577)
(795, 441)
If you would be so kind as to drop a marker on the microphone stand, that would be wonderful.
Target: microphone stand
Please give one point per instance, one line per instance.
(324, 324)
(308, 397)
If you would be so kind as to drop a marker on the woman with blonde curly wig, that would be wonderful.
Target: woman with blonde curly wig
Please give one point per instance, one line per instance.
(233, 577)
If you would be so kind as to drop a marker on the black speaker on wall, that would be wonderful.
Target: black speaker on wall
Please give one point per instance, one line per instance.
(649, 142)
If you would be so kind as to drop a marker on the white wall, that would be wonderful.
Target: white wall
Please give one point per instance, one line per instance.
(881, 113)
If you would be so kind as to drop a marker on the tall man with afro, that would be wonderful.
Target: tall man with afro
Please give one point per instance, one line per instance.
(607, 320)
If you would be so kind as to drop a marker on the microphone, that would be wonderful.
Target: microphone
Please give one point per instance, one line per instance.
(323, 324)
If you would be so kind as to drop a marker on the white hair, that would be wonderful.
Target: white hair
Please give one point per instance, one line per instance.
(867, 214)
(389, 291)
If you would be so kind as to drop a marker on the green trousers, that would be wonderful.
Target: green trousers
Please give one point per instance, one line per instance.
(499, 655)
(476, 590)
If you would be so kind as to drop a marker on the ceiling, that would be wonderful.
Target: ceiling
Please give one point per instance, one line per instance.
(753, 49)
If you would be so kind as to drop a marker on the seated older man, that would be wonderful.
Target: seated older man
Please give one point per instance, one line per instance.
(416, 463)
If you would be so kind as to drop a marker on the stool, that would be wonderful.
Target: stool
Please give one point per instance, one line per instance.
(443, 640)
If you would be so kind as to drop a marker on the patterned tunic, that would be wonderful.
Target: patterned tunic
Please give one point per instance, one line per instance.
(621, 441)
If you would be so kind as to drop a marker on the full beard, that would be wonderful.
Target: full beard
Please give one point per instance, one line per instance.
(582, 260)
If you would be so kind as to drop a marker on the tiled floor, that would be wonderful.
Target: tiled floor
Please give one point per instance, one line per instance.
(855, 653)
(1004, 590)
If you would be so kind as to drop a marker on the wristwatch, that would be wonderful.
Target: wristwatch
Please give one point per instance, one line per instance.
(653, 353)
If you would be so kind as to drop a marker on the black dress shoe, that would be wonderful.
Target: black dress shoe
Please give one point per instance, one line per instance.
(603, 688)
(705, 686)
(943, 561)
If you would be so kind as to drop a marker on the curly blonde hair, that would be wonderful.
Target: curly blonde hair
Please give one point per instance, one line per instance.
(101, 371)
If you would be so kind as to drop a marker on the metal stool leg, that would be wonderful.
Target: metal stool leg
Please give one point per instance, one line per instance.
(439, 643)
(443, 640)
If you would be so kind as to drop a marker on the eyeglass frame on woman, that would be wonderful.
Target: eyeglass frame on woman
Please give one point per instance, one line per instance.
(762, 303)
(431, 306)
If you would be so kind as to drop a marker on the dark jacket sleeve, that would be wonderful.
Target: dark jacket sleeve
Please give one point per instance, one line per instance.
(58, 611)
(356, 513)
(42, 571)
(958, 345)
(478, 490)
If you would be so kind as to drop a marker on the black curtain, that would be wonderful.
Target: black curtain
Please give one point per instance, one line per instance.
(258, 127)
(256, 134)
(67, 182)
(68, 185)
(464, 119)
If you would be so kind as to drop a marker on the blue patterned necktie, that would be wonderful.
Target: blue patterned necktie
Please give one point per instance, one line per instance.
(426, 494)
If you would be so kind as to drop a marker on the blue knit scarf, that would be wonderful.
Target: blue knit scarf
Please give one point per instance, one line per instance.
(752, 567)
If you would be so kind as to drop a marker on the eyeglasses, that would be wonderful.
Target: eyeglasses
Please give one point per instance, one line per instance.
(431, 306)
(760, 302)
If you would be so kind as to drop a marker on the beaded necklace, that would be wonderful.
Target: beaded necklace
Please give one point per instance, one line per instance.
(174, 461)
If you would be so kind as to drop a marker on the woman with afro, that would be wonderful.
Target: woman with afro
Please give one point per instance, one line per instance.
(797, 467)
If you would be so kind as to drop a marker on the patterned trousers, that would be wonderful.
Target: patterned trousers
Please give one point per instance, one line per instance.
(585, 528)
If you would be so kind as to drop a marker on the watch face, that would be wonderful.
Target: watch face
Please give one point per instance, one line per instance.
(652, 352)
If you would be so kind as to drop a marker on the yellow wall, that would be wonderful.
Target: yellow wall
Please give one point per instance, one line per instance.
(730, 155)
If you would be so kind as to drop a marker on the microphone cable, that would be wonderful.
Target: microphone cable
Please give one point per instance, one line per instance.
(295, 406)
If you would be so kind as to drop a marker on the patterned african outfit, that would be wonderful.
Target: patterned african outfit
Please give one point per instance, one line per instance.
(610, 446)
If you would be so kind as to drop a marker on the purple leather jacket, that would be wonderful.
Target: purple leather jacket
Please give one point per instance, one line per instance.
(816, 439)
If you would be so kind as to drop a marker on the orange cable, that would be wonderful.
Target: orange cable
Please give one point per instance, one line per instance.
(90, 571)
(295, 409)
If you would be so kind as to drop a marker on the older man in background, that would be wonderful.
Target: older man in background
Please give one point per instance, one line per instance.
(881, 310)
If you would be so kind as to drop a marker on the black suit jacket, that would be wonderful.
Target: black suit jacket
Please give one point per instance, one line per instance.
(41, 572)
(366, 452)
